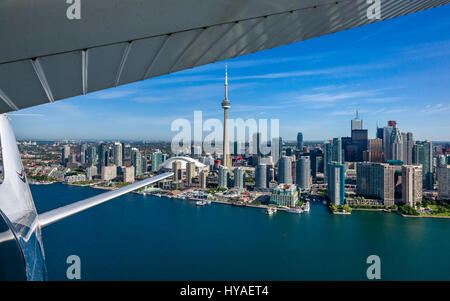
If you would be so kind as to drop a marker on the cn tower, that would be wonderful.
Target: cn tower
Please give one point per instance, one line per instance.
(225, 105)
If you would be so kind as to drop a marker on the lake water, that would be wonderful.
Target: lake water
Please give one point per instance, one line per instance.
(137, 237)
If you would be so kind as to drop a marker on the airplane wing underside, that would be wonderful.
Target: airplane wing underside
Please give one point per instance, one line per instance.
(48, 53)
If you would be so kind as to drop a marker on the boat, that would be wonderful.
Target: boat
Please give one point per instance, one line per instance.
(294, 210)
(306, 207)
(200, 203)
(208, 202)
(270, 211)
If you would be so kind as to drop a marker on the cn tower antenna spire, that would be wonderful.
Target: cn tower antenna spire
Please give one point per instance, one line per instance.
(225, 106)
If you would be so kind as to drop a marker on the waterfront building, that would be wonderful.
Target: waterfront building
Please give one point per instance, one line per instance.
(261, 176)
(377, 181)
(285, 170)
(128, 174)
(190, 173)
(109, 172)
(412, 184)
(239, 178)
(303, 177)
(423, 154)
(224, 176)
(203, 179)
(327, 158)
(74, 178)
(444, 182)
(284, 195)
(118, 156)
(91, 171)
(177, 171)
(336, 183)
(300, 141)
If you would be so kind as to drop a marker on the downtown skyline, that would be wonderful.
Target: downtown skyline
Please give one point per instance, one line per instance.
(388, 71)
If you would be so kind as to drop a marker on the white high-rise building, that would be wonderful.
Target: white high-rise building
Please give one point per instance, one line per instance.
(412, 184)
(118, 158)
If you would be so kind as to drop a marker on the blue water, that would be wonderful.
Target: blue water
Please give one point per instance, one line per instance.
(138, 237)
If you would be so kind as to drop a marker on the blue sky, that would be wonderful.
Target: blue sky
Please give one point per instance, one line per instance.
(392, 70)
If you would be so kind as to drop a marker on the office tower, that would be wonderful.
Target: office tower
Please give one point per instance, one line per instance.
(387, 151)
(408, 145)
(336, 183)
(423, 154)
(157, 159)
(190, 172)
(239, 178)
(380, 133)
(376, 180)
(224, 176)
(118, 157)
(293, 169)
(128, 174)
(412, 184)
(396, 142)
(313, 154)
(300, 141)
(285, 170)
(303, 178)
(109, 172)
(354, 150)
(261, 176)
(136, 161)
(284, 195)
(357, 124)
(374, 153)
(336, 155)
(327, 158)
(91, 171)
(276, 149)
(65, 152)
(92, 155)
(203, 179)
(226, 105)
(83, 150)
(444, 182)
(256, 144)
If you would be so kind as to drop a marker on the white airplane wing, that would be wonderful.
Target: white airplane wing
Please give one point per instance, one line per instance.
(18, 212)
